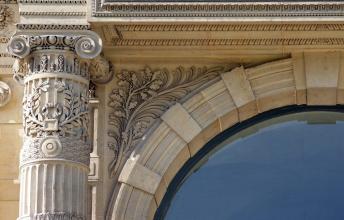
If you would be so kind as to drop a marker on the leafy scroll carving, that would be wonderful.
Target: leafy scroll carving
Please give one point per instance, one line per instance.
(143, 96)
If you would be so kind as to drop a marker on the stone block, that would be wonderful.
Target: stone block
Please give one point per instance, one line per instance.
(141, 205)
(200, 110)
(280, 99)
(322, 72)
(229, 119)
(121, 203)
(206, 135)
(340, 86)
(300, 78)
(153, 141)
(165, 153)
(138, 176)
(321, 96)
(176, 164)
(160, 192)
(181, 122)
(248, 110)
(238, 86)
(219, 98)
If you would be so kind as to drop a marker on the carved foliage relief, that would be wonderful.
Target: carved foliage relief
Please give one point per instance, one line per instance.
(6, 16)
(55, 109)
(143, 96)
(55, 70)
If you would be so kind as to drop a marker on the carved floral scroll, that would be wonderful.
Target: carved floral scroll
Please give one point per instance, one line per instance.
(143, 96)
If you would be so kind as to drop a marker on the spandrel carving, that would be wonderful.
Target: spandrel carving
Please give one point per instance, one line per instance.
(143, 96)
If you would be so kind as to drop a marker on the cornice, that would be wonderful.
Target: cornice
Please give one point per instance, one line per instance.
(217, 9)
(52, 27)
(228, 42)
(197, 35)
(45, 13)
(230, 27)
(83, 2)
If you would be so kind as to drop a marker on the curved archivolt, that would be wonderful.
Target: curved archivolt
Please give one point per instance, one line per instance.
(306, 78)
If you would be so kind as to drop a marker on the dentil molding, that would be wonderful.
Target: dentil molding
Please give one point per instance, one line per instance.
(216, 9)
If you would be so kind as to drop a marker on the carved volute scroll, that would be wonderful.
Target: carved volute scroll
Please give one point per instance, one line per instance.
(55, 72)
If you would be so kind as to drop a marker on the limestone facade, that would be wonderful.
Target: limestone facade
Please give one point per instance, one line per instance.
(102, 102)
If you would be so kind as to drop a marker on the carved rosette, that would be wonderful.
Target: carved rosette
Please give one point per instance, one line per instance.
(55, 72)
(5, 94)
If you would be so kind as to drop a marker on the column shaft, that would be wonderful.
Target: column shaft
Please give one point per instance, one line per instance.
(54, 159)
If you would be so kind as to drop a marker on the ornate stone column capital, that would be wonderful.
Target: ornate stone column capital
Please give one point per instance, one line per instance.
(54, 161)
(86, 44)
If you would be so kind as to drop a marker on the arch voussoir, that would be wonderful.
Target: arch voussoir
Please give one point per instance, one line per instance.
(239, 95)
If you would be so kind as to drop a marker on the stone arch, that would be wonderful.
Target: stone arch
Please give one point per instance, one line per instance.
(306, 78)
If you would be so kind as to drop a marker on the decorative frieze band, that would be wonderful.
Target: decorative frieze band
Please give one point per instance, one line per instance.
(83, 2)
(216, 9)
(229, 27)
(227, 42)
(43, 27)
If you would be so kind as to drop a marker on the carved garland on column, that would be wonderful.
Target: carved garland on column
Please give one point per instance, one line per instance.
(55, 71)
(142, 97)
(54, 105)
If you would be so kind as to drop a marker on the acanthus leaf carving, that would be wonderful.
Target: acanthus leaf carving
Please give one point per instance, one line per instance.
(143, 96)
(101, 70)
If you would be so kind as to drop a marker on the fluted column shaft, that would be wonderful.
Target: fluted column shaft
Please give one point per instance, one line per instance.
(54, 160)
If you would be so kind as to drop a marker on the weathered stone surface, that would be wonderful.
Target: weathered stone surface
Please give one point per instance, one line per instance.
(140, 177)
(262, 44)
(322, 70)
(181, 122)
